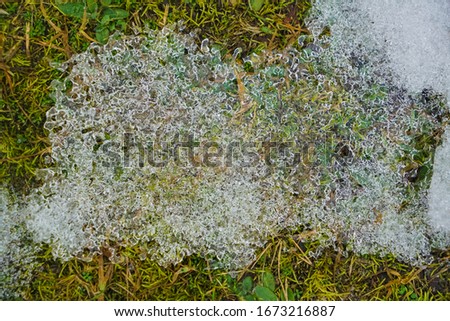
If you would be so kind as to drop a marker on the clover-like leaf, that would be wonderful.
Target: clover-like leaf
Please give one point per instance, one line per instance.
(247, 285)
(102, 34)
(249, 297)
(72, 9)
(256, 5)
(268, 280)
(264, 294)
(115, 14)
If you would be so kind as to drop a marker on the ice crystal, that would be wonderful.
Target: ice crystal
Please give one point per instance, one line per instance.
(17, 250)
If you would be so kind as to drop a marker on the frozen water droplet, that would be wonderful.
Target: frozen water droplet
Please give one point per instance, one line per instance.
(301, 40)
(204, 46)
(237, 52)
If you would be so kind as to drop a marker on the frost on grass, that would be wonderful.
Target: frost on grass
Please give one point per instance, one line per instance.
(144, 92)
(353, 135)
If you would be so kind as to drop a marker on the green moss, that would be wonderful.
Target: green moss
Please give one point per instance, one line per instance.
(297, 276)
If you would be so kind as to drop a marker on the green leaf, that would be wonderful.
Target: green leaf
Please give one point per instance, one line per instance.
(106, 2)
(72, 9)
(105, 20)
(268, 280)
(249, 297)
(115, 13)
(402, 290)
(247, 284)
(264, 294)
(121, 24)
(413, 296)
(266, 30)
(102, 34)
(92, 7)
(256, 5)
(290, 295)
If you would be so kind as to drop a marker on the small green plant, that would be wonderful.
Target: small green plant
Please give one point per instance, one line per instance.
(106, 13)
(264, 290)
(87, 276)
(406, 293)
(256, 5)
